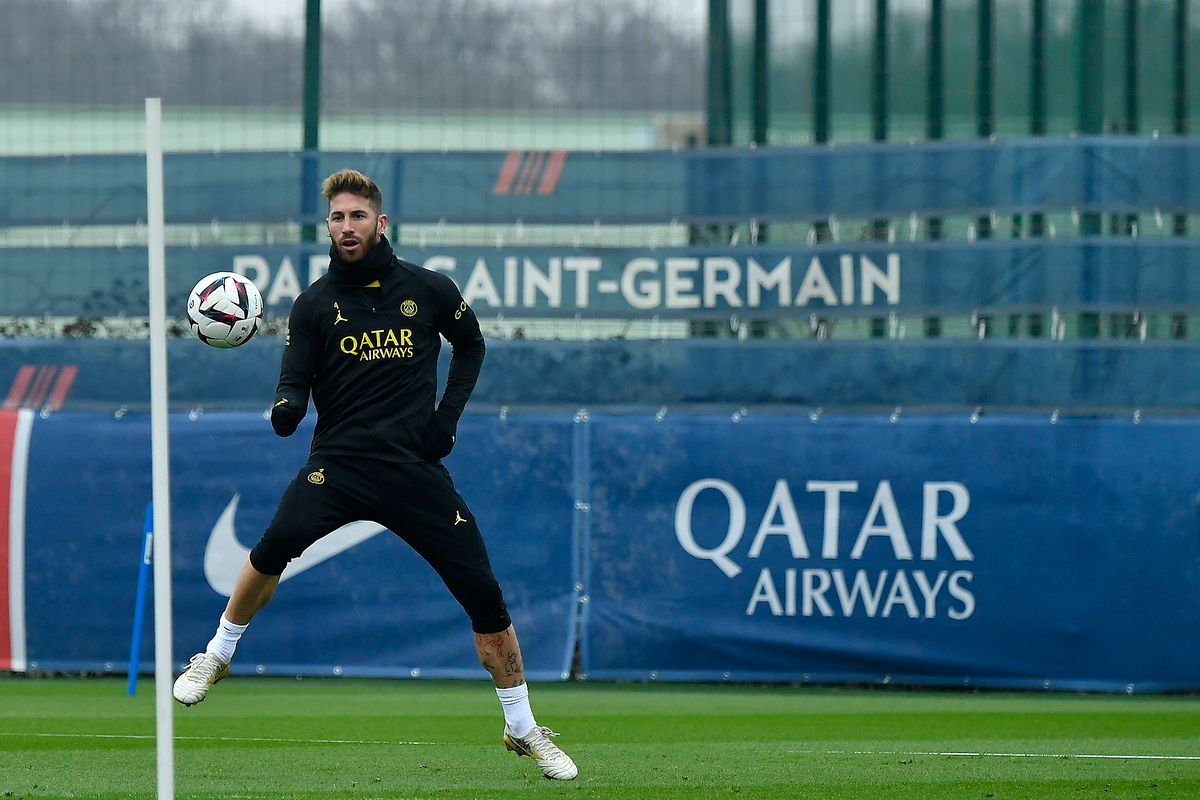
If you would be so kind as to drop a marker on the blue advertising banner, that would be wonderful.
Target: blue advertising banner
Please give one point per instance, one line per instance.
(1009, 552)
(1005, 551)
(666, 282)
(357, 603)
(1104, 174)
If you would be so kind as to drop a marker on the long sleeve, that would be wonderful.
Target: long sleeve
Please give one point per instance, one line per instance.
(461, 329)
(296, 373)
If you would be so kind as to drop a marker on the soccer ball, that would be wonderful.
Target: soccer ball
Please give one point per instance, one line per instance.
(225, 309)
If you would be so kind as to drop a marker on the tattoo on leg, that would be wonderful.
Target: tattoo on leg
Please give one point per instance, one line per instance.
(499, 654)
(489, 645)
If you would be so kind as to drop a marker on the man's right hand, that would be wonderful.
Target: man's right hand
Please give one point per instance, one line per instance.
(285, 418)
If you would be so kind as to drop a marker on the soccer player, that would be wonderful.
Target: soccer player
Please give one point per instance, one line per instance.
(364, 340)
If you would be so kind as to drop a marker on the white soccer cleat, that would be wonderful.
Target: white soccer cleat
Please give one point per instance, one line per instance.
(536, 744)
(202, 671)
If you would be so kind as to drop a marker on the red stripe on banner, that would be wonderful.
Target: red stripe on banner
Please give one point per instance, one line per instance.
(523, 175)
(41, 386)
(527, 159)
(533, 166)
(554, 169)
(19, 385)
(62, 386)
(8, 430)
(508, 171)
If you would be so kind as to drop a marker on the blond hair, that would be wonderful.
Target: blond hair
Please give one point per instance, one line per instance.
(354, 182)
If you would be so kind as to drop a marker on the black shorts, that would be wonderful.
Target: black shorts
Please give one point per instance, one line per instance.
(417, 502)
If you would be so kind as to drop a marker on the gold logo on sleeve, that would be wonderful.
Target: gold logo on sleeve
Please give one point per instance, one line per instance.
(317, 478)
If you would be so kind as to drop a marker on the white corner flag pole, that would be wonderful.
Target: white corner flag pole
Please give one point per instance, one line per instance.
(160, 452)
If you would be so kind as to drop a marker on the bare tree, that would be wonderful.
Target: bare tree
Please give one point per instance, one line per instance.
(394, 54)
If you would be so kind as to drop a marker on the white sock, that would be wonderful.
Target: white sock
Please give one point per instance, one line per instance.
(517, 714)
(225, 641)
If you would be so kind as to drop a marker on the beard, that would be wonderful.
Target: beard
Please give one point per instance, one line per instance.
(360, 251)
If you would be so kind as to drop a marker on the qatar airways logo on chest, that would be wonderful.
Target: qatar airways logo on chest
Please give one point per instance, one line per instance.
(378, 344)
(919, 585)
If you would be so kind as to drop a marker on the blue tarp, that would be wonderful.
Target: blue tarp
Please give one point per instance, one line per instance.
(373, 609)
(1011, 552)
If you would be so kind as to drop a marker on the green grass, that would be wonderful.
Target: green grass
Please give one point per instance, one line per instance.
(273, 738)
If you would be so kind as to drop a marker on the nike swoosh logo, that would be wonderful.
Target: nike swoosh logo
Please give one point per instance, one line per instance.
(224, 555)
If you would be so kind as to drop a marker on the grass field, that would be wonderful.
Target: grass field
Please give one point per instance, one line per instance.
(275, 738)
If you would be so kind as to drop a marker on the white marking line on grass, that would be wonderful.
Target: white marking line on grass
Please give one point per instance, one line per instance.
(1141, 757)
(210, 738)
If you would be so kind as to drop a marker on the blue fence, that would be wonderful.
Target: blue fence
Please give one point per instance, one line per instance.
(1103, 174)
(1009, 552)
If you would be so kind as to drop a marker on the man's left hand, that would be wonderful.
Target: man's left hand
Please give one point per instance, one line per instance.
(438, 439)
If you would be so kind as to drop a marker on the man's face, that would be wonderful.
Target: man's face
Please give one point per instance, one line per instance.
(354, 226)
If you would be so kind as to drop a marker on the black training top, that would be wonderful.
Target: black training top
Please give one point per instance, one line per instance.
(369, 355)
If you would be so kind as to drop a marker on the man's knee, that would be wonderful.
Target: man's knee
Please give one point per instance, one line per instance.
(491, 621)
(271, 555)
(485, 606)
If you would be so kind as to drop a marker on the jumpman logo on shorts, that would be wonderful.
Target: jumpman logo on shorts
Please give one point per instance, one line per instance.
(458, 517)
